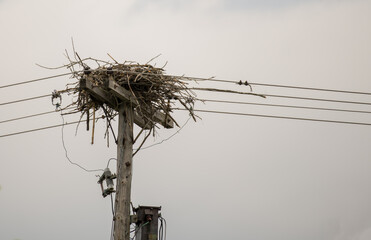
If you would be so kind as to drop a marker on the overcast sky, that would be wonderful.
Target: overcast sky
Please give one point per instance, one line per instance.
(223, 177)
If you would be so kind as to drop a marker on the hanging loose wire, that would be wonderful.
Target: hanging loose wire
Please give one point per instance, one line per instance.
(66, 153)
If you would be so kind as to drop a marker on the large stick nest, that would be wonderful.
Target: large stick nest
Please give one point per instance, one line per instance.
(152, 90)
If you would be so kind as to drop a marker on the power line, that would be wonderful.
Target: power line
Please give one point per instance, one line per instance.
(229, 91)
(309, 88)
(29, 116)
(37, 97)
(42, 128)
(39, 129)
(239, 82)
(219, 101)
(317, 99)
(285, 106)
(35, 80)
(25, 99)
(207, 111)
(272, 85)
(284, 96)
(279, 117)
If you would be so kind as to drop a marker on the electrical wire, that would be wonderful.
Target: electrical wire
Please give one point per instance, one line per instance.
(113, 216)
(285, 96)
(189, 78)
(66, 153)
(285, 106)
(227, 91)
(239, 82)
(138, 228)
(42, 128)
(205, 111)
(113, 219)
(168, 137)
(25, 99)
(113, 211)
(29, 116)
(163, 219)
(112, 230)
(208, 79)
(161, 230)
(219, 101)
(38, 129)
(309, 88)
(317, 99)
(273, 85)
(279, 117)
(110, 161)
(36, 80)
(37, 97)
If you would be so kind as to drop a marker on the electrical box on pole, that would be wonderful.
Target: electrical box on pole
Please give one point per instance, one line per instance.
(147, 222)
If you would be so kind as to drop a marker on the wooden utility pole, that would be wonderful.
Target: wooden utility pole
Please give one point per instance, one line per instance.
(111, 94)
(124, 172)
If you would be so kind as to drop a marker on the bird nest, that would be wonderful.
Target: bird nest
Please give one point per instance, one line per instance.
(151, 93)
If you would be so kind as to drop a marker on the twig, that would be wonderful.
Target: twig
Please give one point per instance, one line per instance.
(144, 140)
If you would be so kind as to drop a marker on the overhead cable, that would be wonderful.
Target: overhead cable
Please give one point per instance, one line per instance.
(35, 80)
(212, 111)
(38, 129)
(219, 101)
(29, 116)
(317, 99)
(25, 99)
(189, 78)
(273, 85)
(279, 117)
(37, 97)
(42, 128)
(239, 82)
(285, 96)
(282, 105)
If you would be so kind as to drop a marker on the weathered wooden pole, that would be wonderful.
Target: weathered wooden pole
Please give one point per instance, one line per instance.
(127, 118)
(124, 172)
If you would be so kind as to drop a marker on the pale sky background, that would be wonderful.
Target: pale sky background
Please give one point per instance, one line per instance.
(224, 177)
